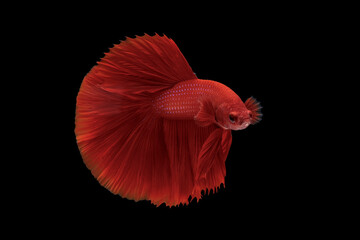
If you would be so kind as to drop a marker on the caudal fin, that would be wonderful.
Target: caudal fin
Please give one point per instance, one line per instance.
(120, 137)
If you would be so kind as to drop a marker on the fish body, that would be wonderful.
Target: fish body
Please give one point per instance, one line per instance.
(184, 100)
(149, 129)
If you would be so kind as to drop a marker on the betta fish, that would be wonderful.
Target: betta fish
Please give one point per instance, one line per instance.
(148, 129)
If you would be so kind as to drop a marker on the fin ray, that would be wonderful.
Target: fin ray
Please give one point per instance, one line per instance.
(206, 114)
(143, 62)
(254, 106)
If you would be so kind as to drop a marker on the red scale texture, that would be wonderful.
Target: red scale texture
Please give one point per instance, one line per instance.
(183, 100)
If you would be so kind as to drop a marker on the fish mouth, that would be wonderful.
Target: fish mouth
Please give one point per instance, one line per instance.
(244, 125)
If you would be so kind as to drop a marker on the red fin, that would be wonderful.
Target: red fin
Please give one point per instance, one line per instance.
(208, 153)
(115, 118)
(206, 114)
(128, 148)
(211, 170)
(226, 141)
(109, 142)
(147, 63)
(254, 106)
(183, 140)
(162, 171)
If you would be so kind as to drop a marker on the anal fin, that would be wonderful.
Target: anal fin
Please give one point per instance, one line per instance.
(208, 153)
(210, 172)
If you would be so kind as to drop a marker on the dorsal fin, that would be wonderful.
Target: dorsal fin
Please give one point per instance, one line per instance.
(146, 63)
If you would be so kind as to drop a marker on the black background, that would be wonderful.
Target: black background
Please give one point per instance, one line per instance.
(259, 54)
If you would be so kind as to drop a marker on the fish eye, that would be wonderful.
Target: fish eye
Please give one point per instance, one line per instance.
(231, 118)
(250, 115)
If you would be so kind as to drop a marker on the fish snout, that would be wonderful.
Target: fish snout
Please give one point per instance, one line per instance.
(244, 124)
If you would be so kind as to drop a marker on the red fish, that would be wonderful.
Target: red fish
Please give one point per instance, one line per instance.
(149, 129)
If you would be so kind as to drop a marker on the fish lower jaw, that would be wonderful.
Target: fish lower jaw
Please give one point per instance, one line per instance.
(242, 126)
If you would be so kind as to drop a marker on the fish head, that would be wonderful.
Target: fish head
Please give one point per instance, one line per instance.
(234, 116)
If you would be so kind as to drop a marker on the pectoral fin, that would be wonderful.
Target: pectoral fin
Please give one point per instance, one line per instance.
(206, 114)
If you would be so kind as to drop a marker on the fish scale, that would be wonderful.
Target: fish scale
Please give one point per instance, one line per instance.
(182, 100)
